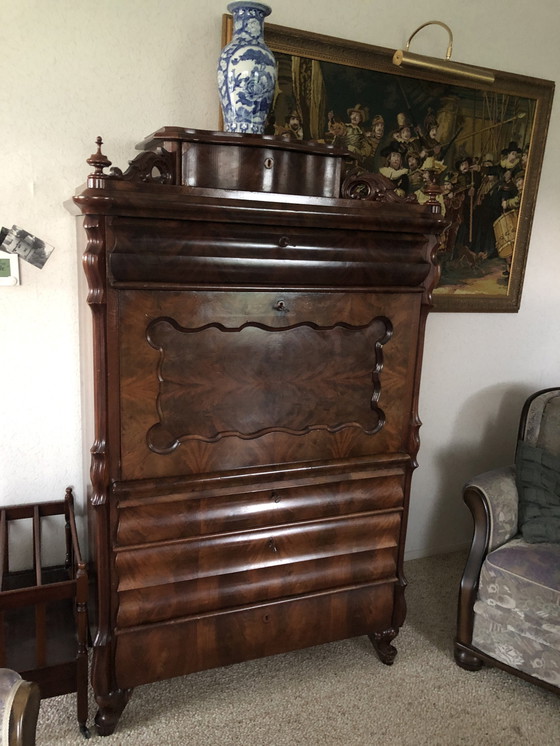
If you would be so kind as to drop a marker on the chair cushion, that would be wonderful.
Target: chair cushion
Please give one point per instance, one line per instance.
(538, 484)
(520, 588)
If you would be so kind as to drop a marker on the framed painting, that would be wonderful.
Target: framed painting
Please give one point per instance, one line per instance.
(486, 140)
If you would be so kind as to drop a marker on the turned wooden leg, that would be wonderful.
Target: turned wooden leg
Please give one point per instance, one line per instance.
(110, 710)
(467, 659)
(381, 641)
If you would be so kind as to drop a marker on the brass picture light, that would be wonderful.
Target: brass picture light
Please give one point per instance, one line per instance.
(433, 64)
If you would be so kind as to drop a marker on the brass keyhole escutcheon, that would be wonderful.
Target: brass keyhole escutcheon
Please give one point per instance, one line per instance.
(268, 162)
(280, 305)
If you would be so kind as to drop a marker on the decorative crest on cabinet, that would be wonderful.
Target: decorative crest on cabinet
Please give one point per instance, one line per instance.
(152, 167)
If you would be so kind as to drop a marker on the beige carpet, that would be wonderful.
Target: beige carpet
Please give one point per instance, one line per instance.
(339, 694)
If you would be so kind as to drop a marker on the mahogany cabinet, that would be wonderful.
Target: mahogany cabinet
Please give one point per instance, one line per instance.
(258, 325)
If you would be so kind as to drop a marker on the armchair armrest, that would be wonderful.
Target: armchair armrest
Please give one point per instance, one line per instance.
(492, 498)
(497, 490)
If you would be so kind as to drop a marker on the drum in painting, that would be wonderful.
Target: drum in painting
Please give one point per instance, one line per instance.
(504, 231)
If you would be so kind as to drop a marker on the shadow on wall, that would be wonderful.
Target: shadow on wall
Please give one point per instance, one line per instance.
(492, 413)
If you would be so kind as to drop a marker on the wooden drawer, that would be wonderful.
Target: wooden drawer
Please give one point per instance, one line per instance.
(230, 253)
(179, 516)
(182, 646)
(182, 578)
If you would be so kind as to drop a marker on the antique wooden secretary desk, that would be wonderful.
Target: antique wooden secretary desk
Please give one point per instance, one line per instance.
(258, 326)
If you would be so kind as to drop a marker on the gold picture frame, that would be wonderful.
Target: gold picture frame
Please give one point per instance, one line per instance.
(483, 130)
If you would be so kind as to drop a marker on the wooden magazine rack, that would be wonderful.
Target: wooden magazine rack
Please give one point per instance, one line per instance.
(43, 611)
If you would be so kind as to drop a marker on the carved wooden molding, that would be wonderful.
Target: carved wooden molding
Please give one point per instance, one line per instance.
(371, 187)
(93, 260)
(153, 167)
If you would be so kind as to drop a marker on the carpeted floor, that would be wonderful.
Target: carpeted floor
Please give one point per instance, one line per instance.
(339, 694)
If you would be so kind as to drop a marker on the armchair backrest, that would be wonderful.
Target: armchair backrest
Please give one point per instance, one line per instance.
(540, 420)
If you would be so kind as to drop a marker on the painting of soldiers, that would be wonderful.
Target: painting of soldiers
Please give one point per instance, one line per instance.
(476, 139)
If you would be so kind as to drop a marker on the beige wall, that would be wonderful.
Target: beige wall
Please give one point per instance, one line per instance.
(72, 70)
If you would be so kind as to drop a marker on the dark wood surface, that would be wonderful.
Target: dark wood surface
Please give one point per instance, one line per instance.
(257, 362)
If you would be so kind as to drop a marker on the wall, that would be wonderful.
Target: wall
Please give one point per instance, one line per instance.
(123, 68)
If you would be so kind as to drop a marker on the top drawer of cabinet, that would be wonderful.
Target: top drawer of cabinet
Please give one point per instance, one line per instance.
(191, 251)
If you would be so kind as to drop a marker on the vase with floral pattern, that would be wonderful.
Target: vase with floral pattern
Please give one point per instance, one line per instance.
(246, 70)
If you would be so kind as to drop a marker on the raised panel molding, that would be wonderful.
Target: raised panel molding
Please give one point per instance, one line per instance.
(294, 380)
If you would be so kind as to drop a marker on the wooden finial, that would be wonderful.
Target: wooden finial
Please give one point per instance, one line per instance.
(98, 160)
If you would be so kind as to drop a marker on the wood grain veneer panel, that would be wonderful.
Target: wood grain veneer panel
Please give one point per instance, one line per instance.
(214, 383)
(299, 314)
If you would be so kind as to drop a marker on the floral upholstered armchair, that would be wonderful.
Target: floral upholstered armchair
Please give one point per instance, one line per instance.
(509, 599)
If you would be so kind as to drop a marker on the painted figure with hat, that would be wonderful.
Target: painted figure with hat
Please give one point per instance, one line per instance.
(505, 227)
(430, 170)
(488, 207)
(292, 128)
(375, 136)
(430, 145)
(512, 202)
(405, 134)
(508, 190)
(511, 158)
(453, 202)
(352, 134)
(468, 181)
(395, 168)
(415, 177)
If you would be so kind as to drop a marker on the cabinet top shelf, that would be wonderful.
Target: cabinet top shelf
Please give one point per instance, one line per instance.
(181, 167)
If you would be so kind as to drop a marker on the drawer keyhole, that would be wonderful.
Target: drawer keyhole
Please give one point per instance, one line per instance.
(272, 545)
(276, 497)
(268, 162)
(281, 306)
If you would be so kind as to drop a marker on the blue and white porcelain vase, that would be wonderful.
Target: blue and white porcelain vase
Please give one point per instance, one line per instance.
(246, 70)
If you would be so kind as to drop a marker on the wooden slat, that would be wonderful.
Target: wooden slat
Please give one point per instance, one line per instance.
(19, 597)
(17, 512)
(40, 609)
(3, 548)
(73, 530)
(37, 544)
(4, 569)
